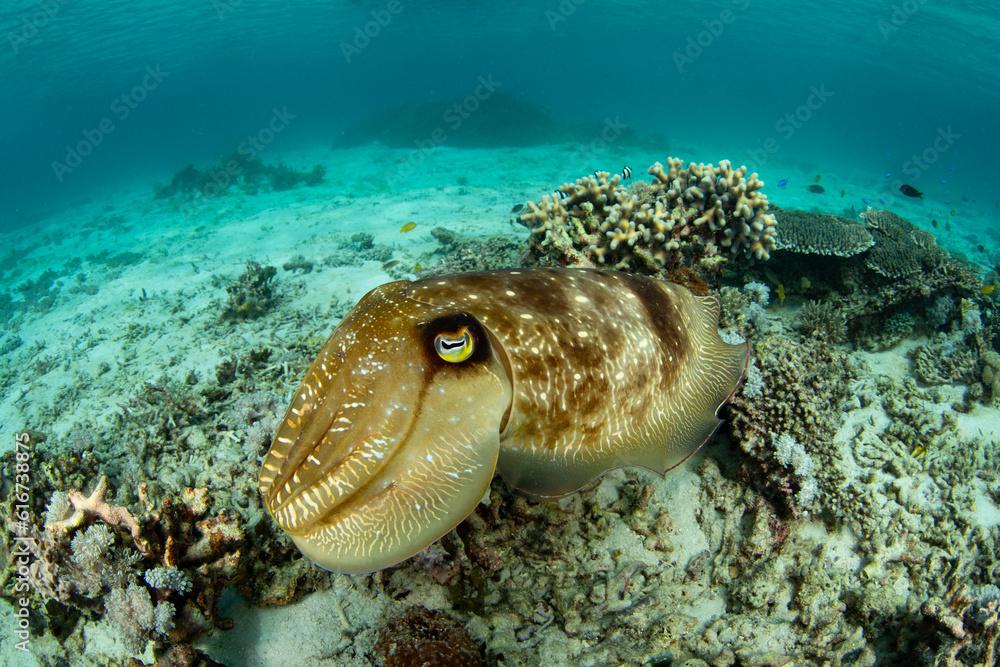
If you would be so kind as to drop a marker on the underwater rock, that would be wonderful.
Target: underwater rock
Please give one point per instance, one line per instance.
(240, 169)
(422, 637)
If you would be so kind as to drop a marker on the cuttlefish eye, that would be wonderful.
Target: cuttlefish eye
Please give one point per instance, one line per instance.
(454, 346)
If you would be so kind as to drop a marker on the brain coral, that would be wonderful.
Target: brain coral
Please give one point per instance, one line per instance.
(821, 234)
(686, 215)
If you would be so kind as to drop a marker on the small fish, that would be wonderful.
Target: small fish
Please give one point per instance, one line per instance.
(418, 267)
(866, 201)
(910, 191)
(816, 180)
(817, 189)
(947, 226)
(627, 172)
(408, 227)
(391, 263)
(780, 291)
(783, 182)
(562, 195)
(934, 224)
(887, 174)
(998, 203)
(953, 212)
(843, 193)
(980, 247)
(516, 207)
(988, 289)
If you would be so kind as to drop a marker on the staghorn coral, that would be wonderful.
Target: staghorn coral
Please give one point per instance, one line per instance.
(945, 360)
(694, 215)
(422, 637)
(820, 234)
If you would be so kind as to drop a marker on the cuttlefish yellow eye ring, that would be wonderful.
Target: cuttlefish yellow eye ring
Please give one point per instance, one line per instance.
(455, 346)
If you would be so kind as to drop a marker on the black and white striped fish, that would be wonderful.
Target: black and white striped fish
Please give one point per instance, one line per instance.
(626, 172)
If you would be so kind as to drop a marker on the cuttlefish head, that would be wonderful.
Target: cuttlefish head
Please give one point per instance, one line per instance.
(393, 436)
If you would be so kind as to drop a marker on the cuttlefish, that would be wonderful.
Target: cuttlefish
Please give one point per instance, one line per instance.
(426, 389)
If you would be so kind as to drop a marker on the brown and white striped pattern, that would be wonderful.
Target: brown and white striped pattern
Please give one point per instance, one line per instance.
(386, 447)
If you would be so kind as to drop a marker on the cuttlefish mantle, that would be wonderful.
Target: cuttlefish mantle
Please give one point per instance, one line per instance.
(426, 389)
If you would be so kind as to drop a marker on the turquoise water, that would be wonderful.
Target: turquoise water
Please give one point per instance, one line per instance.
(194, 194)
(718, 76)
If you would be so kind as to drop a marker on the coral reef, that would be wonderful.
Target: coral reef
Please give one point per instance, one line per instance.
(699, 215)
(457, 253)
(804, 383)
(945, 360)
(425, 637)
(824, 320)
(820, 234)
(252, 294)
(239, 169)
(900, 248)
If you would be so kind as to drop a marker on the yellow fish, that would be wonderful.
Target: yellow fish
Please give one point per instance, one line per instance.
(408, 227)
(548, 377)
(989, 289)
(780, 290)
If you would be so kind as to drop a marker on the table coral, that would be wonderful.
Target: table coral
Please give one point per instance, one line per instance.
(695, 215)
(820, 234)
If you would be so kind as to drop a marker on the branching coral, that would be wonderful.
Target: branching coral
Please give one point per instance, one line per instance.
(252, 294)
(690, 215)
(94, 505)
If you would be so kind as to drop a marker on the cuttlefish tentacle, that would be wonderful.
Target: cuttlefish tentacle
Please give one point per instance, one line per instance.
(549, 377)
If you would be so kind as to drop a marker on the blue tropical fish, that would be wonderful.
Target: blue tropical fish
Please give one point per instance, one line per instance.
(783, 182)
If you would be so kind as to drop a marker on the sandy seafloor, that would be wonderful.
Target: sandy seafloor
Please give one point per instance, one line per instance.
(134, 322)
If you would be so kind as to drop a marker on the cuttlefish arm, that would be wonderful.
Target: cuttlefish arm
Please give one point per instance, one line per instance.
(426, 389)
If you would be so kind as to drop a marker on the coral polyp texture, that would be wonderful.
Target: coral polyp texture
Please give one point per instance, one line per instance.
(700, 215)
(821, 234)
